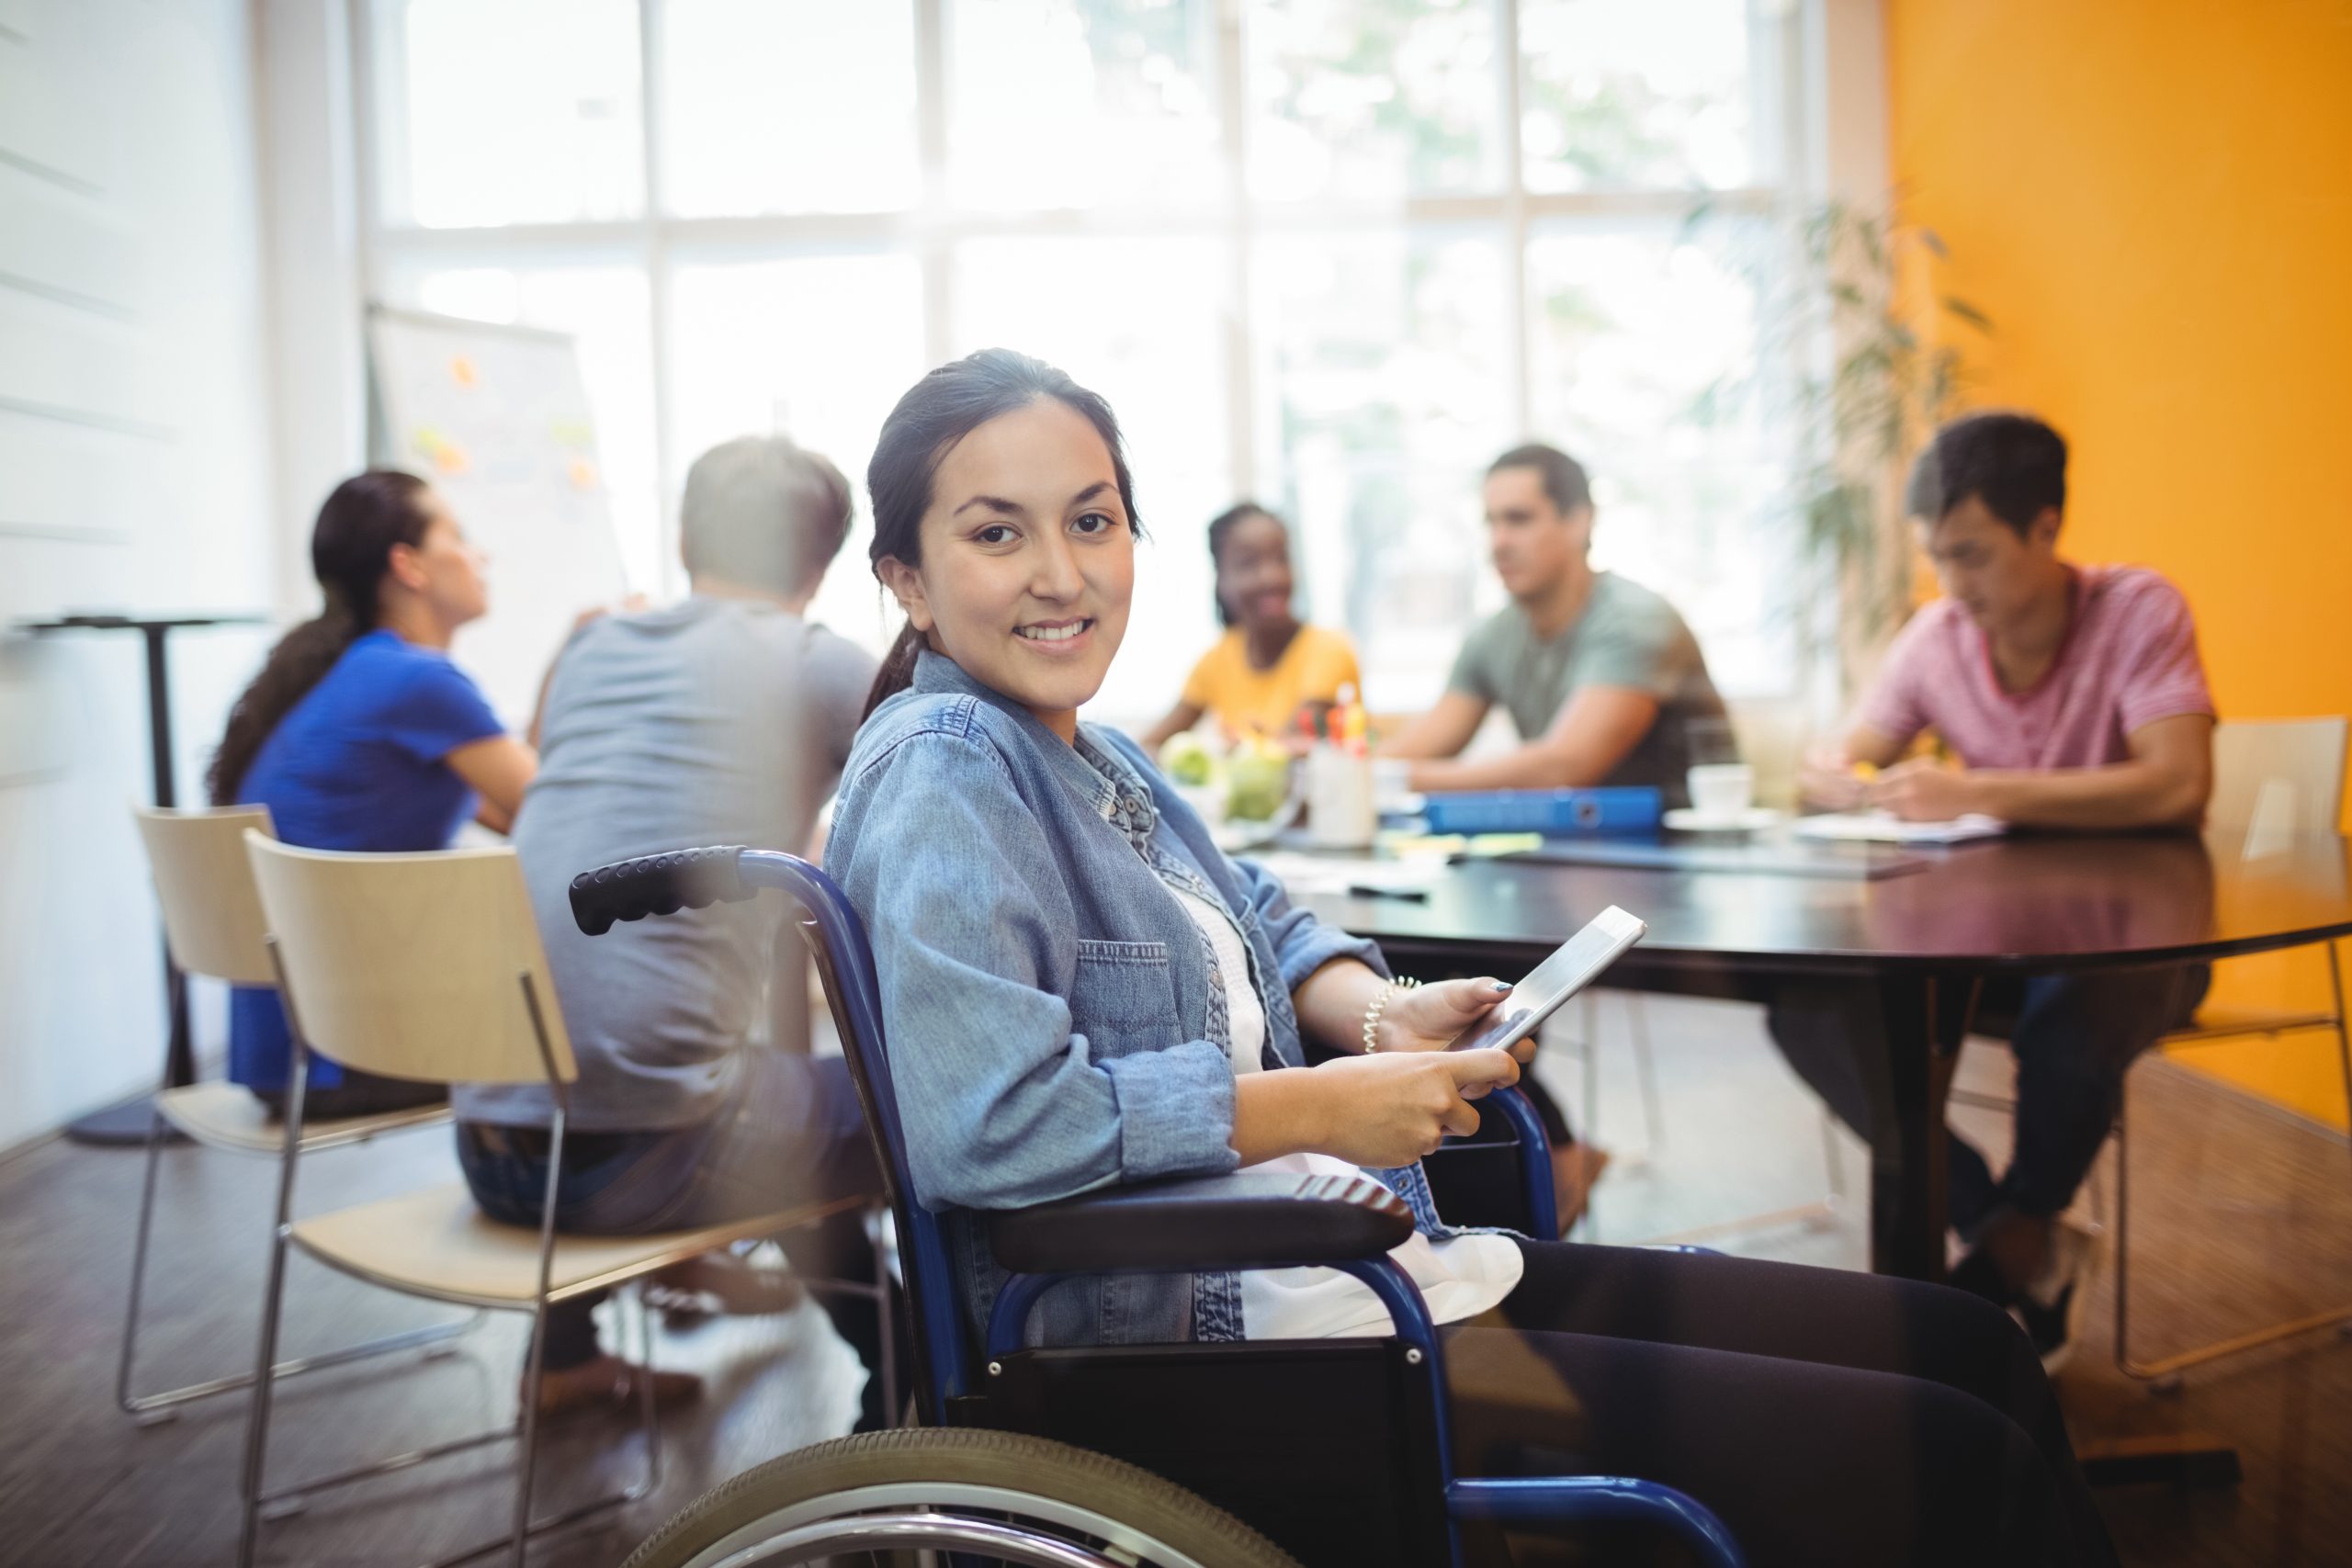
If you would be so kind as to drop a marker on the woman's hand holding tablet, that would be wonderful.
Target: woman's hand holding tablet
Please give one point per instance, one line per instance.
(1572, 966)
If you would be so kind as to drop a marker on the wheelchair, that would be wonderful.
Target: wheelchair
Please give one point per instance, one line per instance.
(1258, 1454)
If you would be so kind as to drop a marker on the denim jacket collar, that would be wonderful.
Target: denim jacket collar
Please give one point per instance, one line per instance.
(1091, 771)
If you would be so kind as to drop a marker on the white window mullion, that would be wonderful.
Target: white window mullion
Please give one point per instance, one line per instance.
(668, 476)
(668, 466)
(1240, 376)
(375, 127)
(1514, 215)
(934, 252)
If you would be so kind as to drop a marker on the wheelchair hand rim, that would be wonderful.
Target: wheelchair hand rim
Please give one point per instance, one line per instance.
(808, 1527)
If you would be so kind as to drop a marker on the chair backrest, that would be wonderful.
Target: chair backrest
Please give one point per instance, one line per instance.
(412, 965)
(2278, 779)
(212, 919)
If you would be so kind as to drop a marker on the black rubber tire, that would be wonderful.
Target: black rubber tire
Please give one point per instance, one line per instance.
(1156, 1507)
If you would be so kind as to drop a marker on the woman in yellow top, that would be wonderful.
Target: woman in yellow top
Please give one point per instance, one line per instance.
(1268, 665)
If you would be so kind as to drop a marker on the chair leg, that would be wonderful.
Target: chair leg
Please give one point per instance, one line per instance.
(2122, 1134)
(147, 1411)
(2342, 1038)
(1637, 1024)
(527, 1459)
(273, 1302)
(1813, 1213)
(1589, 1044)
(645, 1396)
(2164, 1371)
(265, 1372)
(517, 1540)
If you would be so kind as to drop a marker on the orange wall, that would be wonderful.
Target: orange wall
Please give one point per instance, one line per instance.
(2153, 201)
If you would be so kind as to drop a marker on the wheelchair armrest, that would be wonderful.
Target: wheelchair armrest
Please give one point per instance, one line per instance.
(1203, 1224)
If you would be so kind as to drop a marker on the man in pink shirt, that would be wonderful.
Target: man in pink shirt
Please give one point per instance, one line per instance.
(2069, 697)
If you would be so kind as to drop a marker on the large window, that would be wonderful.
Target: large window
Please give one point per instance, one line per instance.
(1331, 253)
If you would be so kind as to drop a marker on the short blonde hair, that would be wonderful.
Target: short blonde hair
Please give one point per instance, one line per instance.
(761, 510)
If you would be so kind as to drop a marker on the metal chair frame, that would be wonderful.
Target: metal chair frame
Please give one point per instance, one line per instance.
(152, 1409)
(2164, 1371)
(1587, 1047)
(260, 1502)
(221, 942)
(2289, 781)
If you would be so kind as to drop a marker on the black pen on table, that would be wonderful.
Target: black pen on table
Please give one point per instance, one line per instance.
(1372, 890)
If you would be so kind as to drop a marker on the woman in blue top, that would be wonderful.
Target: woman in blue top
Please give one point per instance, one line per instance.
(361, 734)
(1081, 990)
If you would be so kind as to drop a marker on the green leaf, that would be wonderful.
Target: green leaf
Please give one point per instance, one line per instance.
(1967, 313)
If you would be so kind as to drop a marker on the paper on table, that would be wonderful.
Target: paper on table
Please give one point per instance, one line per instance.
(1305, 873)
(1882, 828)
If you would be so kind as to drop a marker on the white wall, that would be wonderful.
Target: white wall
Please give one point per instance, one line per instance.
(135, 473)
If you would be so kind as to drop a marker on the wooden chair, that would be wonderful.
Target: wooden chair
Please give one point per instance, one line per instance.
(213, 923)
(2274, 781)
(429, 967)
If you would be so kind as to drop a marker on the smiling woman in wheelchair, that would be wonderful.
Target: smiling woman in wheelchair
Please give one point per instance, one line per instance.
(1081, 991)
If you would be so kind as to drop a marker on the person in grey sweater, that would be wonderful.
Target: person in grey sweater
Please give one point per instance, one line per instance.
(723, 719)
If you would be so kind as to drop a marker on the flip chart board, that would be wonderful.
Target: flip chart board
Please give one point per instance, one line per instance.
(497, 419)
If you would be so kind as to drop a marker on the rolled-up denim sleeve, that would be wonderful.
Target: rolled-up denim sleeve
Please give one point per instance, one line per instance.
(975, 941)
(1302, 943)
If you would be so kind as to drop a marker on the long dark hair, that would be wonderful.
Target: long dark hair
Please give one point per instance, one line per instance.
(1220, 527)
(351, 549)
(937, 412)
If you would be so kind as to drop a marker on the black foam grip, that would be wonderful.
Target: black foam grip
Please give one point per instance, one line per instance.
(657, 884)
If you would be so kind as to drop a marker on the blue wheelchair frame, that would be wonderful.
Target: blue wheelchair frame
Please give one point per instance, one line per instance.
(944, 1370)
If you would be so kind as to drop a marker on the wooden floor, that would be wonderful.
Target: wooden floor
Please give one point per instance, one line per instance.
(2240, 1213)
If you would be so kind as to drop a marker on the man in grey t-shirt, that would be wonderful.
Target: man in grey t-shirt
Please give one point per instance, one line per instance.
(725, 718)
(1601, 676)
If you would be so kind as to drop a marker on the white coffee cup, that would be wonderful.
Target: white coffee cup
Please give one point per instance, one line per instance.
(1722, 791)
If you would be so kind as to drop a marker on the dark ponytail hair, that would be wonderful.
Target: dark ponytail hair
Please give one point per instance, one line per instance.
(937, 412)
(1220, 526)
(351, 549)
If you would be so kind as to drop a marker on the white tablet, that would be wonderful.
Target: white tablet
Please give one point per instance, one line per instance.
(1573, 966)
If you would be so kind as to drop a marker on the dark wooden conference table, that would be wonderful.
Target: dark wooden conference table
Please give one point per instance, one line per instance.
(1922, 942)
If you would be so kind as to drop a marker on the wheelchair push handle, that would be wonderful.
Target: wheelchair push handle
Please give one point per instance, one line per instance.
(658, 885)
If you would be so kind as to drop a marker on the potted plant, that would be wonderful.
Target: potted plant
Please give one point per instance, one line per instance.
(1885, 347)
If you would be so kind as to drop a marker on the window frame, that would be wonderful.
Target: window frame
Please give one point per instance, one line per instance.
(1789, 100)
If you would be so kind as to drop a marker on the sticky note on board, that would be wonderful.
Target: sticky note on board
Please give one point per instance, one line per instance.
(462, 370)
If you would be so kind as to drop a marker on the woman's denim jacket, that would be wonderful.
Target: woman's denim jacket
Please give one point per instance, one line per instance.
(1055, 1018)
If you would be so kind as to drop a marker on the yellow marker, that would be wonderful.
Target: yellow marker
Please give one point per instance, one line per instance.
(1866, 772)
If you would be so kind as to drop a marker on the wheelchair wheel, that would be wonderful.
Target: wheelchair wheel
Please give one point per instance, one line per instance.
(992, 1498)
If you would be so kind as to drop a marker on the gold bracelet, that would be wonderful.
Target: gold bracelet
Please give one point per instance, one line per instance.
(1379, 1004)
